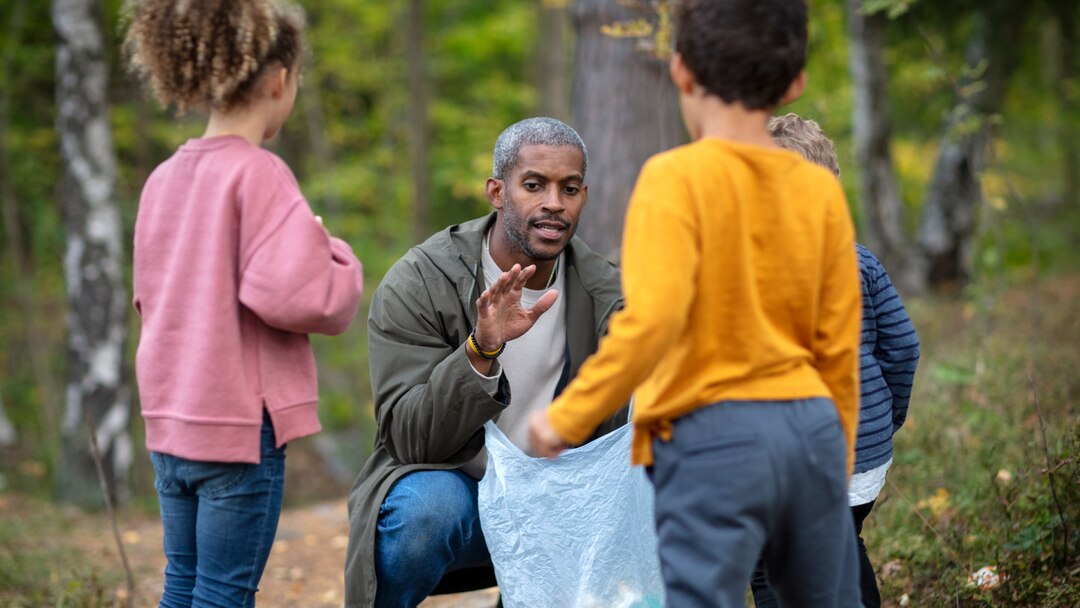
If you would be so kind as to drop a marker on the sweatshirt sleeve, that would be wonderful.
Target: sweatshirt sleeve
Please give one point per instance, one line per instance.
(836, 337)
(293, 274)
(658, 296)
(896, 343)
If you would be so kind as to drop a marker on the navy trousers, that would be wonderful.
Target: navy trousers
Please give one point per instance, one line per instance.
(742, 479)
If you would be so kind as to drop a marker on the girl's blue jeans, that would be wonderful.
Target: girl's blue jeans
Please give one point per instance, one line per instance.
(219, 520)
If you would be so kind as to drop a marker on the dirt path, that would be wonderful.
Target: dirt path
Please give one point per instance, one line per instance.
(304, 571)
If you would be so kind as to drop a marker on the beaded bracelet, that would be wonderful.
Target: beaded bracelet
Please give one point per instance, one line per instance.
(475, 346)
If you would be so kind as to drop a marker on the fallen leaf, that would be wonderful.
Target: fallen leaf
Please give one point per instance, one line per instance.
(937, 503)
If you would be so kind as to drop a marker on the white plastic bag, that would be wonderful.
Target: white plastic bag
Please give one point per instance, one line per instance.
(573, 532)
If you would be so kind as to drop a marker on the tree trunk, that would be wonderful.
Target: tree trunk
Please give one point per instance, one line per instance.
(311, 105)
(8, 207)
(419, 125)
(97, 394)
(8, 435)
(1069, 92)
(552, 59)
(882, 223)
(947, 223)
(625, 109)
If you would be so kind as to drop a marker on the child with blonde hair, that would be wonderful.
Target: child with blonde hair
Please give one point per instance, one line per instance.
(231, 272)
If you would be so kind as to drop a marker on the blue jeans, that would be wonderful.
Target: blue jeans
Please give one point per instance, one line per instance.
(219, 520)
(743, 479)
(428, 525)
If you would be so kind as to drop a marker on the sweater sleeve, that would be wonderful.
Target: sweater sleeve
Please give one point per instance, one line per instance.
(658, 295)
(836, 337)
(293, 274)
(896, 345)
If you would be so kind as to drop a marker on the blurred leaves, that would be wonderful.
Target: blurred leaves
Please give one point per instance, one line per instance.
(938, 503)
(893, 8)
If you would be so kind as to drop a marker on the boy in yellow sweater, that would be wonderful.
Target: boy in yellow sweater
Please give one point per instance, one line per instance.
(740, 334)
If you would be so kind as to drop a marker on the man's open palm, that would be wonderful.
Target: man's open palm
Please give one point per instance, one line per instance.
(500, 317)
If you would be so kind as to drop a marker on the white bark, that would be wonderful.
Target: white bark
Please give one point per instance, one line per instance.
(93, 268)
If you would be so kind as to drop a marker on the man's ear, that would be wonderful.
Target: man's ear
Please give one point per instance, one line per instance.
(494, 189)
(681, 74)
(795, 89)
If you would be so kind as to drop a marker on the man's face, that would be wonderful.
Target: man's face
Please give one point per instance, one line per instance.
(540, 201)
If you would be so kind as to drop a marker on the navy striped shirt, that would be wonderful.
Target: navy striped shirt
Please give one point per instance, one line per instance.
(888, 354)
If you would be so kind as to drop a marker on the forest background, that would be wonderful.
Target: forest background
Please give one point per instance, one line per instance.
(958, 130)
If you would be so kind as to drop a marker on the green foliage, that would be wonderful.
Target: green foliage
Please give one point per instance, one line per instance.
(38, 566)
(947, 510)
(893, 8)
(347, 141)
(975, 482)
(829, 98)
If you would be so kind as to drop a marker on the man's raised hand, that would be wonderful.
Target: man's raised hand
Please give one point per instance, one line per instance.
(500, 317)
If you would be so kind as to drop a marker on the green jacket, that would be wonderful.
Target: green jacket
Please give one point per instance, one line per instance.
(429, 405)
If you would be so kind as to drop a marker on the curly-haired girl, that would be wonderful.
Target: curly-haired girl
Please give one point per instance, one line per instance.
(232, 271)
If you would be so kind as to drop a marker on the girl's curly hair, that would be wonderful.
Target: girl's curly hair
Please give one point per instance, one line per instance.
(208, 54)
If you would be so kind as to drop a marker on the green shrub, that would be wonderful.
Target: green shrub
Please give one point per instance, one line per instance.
(986, 474)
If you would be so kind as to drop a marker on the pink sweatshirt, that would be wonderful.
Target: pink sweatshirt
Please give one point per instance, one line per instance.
(232, 271)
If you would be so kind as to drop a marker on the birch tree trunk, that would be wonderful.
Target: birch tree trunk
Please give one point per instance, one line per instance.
(625, 109)
(97, 396)
(882, 223)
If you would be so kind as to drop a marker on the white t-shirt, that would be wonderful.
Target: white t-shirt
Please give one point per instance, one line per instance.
(533, 364)
(866, 486)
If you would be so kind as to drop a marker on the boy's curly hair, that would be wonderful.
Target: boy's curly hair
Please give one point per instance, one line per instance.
(746, 51)
(792, 132)
(208, 54)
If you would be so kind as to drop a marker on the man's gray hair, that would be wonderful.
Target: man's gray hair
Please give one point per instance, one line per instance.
(534, 131)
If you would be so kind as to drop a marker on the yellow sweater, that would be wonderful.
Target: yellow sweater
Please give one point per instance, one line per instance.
(741, 283)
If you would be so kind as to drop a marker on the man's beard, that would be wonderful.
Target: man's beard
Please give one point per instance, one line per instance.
(517, 231)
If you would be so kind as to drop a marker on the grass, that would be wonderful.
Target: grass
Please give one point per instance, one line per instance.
(39, 564)
(985, 471)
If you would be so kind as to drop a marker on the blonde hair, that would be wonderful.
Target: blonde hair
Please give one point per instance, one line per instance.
(794, 133)
(209, 54)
